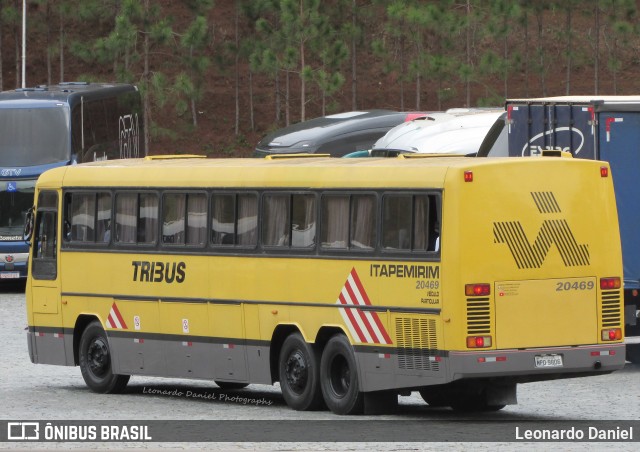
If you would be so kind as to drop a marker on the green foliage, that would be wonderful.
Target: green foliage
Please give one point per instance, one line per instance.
(437, 49)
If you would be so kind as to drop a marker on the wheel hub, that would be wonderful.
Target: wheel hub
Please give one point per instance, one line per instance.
(296, 371)
(98, 356)
(340, 375)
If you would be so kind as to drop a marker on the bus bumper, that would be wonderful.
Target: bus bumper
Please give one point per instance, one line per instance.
(13, 266)
(537, 364)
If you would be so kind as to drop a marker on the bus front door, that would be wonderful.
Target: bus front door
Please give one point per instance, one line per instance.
(48, 338)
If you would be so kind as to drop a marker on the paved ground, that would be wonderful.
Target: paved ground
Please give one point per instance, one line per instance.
(39, 392)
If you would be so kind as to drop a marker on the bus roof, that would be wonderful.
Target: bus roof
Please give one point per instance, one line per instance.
(67, 92)
(290, 172)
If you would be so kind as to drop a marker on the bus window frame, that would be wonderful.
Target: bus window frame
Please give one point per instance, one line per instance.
(411, 253)
(183, 246)
(45, 268)
(136, 245)
(288, 249)
(228, 248)
(67, 210)
(349, 250)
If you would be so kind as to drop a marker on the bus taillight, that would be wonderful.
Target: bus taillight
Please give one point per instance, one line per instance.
(478, 341)
(612, 334)
(477, 290)
(610, 283)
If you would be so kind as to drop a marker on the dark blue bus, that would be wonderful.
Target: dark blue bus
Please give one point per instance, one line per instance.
(49, 126)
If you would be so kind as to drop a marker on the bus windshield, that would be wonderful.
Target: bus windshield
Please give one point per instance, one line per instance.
(15, 199)
(34, 136)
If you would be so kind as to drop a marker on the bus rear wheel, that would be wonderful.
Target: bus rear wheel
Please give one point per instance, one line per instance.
(95, 362)
(298, 367)
(339, 377)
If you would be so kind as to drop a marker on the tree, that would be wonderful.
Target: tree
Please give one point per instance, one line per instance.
(270, 54)
(139, 29)
(193, 57)
(621, 15)
(500, 17)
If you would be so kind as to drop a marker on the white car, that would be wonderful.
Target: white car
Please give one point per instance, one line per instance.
(456, 131)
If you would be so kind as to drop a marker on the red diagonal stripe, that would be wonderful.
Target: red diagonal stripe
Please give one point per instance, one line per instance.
(362, 315)
(119, 316)
(360, 287)
(365, 297)
(354, 324)
(383, 331)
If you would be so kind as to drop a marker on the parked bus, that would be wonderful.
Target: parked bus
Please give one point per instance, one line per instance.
(349, 281)
(50, 126)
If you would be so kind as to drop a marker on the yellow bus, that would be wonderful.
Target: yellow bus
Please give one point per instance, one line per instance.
(348, 281)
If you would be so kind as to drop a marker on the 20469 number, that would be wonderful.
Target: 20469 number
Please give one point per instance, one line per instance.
(574, 285)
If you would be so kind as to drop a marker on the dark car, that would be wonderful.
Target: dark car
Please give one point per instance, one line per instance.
(337, 134)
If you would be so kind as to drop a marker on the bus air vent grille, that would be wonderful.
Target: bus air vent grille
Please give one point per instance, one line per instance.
(417, 343)
(478, 316)
(611, 309)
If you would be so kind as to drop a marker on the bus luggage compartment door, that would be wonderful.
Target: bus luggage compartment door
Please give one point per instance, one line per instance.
(541, 313)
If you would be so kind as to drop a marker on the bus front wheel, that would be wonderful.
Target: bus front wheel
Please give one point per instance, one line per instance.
(299, 374)
(339, 377)
(95, 362)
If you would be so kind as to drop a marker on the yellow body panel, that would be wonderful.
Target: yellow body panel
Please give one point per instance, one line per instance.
(542, 204)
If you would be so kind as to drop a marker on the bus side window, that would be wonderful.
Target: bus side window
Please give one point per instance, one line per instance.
(83, 207)
(234, 219)
(277, 220)
(148, 218)
(348, 222)
(410, 223)
(45, 239)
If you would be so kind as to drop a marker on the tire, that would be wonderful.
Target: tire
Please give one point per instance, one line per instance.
(339, 377)
(633, 353)
(434, 398)
(299, 372)
(230, 385)
(473, 403)
(96, 362)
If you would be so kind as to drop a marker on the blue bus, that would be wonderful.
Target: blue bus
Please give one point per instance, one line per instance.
(55, 125)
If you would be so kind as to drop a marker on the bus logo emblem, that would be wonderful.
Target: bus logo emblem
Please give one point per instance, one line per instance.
(364, 326)
(552, 232)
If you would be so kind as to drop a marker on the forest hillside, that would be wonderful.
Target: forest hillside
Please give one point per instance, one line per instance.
(217, 75)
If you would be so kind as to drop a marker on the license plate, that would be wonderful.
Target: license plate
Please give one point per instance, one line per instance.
(549, 361)
(9, 275)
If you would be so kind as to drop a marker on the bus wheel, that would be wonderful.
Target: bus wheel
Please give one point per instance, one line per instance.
(95, 362)
(633, 353)
(434, 398)
(230, 385)
(299, 374)
(473, 403)
(339, 377)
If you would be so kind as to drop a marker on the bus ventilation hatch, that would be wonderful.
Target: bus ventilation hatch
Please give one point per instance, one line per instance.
(611, 309)
(417, 344)
(478, 316)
